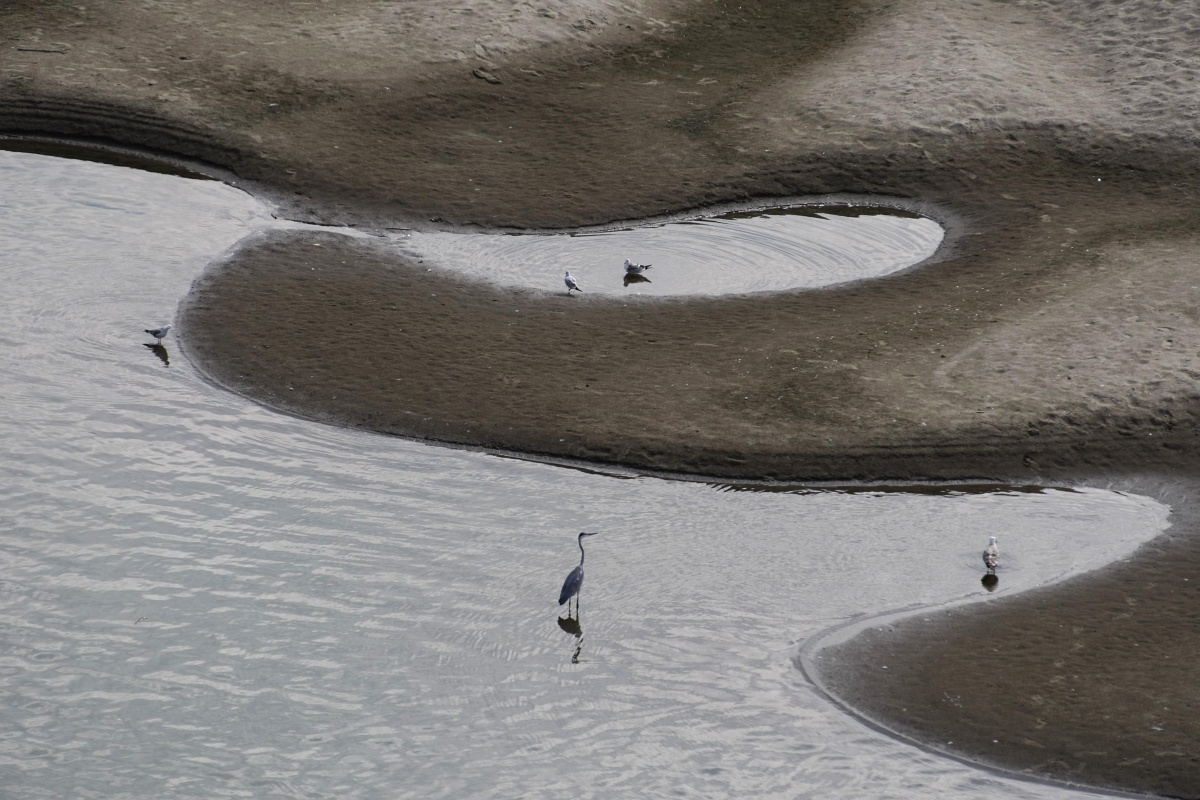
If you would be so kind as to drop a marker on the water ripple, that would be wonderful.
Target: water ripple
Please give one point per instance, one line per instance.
(779, 249)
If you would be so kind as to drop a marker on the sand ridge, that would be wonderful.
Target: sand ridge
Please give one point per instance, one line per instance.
(939, 69)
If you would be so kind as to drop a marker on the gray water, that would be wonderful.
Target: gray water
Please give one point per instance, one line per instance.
(776, 249)
(200, 598)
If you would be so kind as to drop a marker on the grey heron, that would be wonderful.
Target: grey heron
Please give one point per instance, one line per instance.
(574, 581)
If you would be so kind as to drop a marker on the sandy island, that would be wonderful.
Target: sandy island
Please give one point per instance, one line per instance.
(1052, 338)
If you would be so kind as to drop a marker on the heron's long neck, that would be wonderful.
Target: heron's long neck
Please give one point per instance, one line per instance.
(581, 553)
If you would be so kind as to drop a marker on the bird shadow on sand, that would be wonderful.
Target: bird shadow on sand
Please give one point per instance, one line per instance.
(161, 352)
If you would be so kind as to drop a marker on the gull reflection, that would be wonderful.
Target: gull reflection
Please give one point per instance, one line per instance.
(161, 352)
(990, 581)
(633, 277)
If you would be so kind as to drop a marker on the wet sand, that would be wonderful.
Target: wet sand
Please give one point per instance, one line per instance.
(1052, 338)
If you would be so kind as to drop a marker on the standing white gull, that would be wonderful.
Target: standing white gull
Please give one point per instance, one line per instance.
(991, 555)
(571, 283)
(635, 269)
(159, 333)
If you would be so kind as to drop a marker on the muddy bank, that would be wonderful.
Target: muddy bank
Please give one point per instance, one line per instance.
(1003, 356)
(1052, 337)
(1088, 682)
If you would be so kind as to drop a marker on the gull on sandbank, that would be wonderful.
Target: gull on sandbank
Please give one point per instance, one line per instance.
(571, 283)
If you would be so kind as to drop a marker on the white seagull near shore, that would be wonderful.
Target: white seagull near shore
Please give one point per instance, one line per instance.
(991, 555)
(571, 283)
(635, 269)
(159, 333)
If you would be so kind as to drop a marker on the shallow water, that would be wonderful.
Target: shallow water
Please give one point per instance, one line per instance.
(777, 249)
(201, 598)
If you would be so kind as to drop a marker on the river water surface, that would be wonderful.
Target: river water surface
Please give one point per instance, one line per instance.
(201, 598)
(762, 250)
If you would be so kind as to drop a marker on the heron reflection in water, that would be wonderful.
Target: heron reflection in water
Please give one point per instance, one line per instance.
(571, 625)
(574, 581)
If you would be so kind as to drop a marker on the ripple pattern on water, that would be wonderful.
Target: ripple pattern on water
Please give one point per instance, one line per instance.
(749, 251)
(200, 598)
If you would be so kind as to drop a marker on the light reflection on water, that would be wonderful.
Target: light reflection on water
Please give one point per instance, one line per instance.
(200, 598)
(748, 251)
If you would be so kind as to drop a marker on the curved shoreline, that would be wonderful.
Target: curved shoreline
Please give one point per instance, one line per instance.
(807, 661)
(1037, 714)
(1050, 340)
